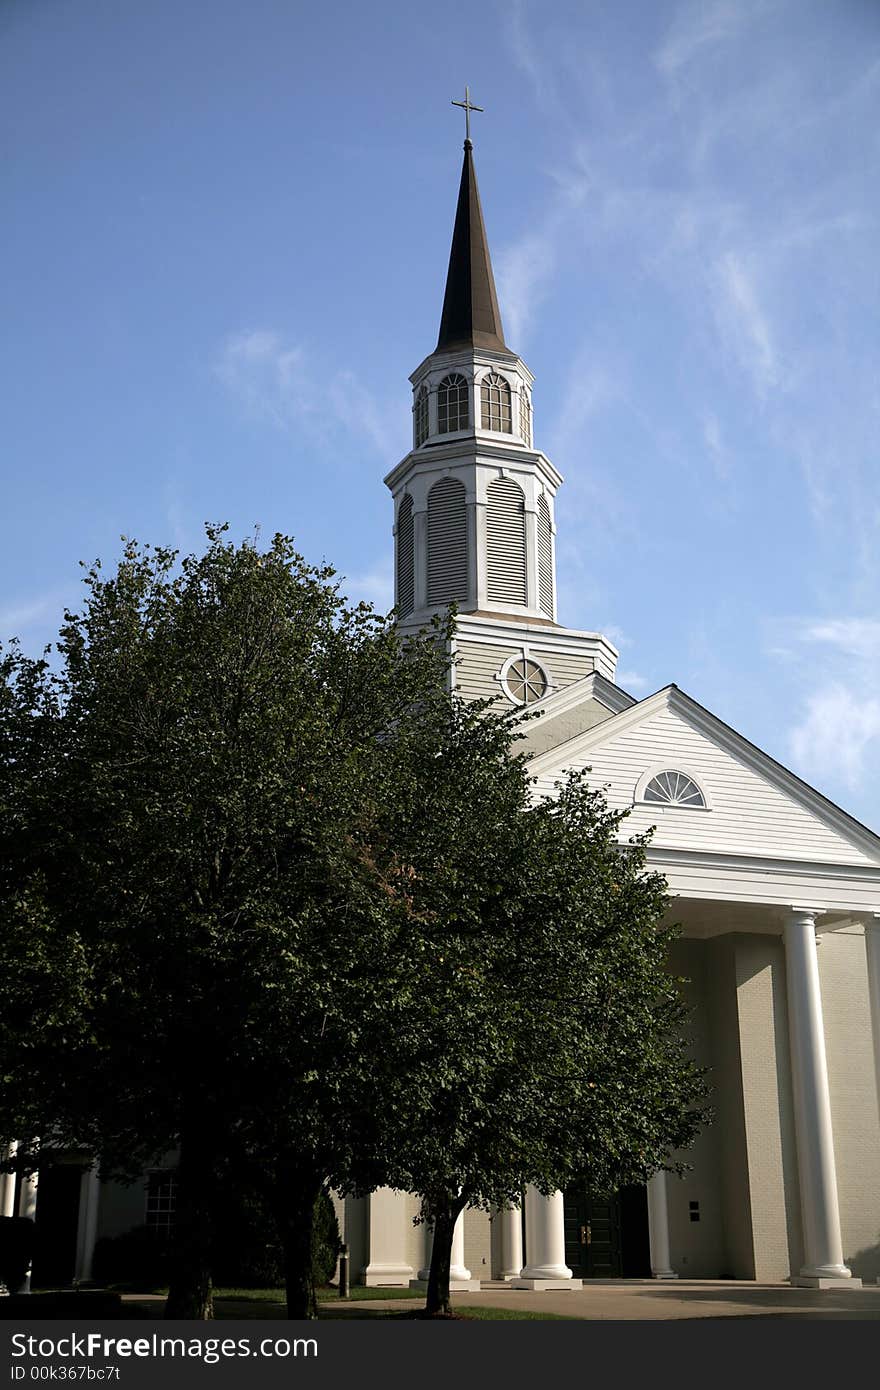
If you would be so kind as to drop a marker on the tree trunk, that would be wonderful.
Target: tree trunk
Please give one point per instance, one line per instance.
(438, 1303)
(293, 1204)
(189, 1293)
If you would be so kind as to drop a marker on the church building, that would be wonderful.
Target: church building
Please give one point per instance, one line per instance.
(776, 889)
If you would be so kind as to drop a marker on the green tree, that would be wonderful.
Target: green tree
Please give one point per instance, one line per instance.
(206, 809)
(543, 1037)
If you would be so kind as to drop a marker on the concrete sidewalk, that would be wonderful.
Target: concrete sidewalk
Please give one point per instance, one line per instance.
(631, 1299)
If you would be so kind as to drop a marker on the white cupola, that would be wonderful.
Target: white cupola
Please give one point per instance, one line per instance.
(474, 501)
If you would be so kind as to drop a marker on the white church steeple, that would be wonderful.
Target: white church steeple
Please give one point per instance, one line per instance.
(474, 501)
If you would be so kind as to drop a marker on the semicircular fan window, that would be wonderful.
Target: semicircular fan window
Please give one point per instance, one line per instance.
(674, 789)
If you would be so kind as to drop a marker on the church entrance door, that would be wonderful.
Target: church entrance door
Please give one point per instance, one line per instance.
(606, 1236)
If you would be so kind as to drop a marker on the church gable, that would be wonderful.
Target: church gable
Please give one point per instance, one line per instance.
(751, 805)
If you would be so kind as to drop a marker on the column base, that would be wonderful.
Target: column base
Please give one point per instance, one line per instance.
(546, 1285)
(663, 1274)
(824, 1281)
(379, 1276)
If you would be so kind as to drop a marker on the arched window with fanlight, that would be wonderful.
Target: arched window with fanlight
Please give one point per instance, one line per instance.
(672, 787)
(453, 411)
(420, 417)
(495, 403)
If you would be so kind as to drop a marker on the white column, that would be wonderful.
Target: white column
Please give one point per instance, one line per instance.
(87, 1227)
(7, 1185)
(27, 1206)
(457, 1269)
(388, 1231)
(872, 952)
(425, 1272)
(545, 1244)
(533, 599)
(658, 1228)
(510, 1221)
(823, 1246)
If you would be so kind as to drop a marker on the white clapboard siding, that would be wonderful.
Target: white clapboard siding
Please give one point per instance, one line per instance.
(545, 558)
(506, 535)
(405, 557)
(447, 542)
(748, 815)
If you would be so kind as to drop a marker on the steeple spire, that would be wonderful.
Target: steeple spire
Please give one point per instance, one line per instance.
(471, 316)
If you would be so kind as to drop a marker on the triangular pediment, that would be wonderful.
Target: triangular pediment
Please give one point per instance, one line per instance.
(754, 805)
(571, 711)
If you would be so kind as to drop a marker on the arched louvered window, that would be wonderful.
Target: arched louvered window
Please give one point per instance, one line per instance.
(672, 788)
(495, 401)
(525, 416)
(447, 542)
(452, 404)
(545, 558)
(421, 417)
(506, 537)
(405, 557)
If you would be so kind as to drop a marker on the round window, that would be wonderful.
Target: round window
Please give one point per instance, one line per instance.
(525, 681)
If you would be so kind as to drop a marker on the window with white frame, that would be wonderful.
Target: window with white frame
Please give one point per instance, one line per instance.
(525, 416)
(495, 401)
(421, 416)
(673, 788)
(161, 1202)
(524, 681)
(453, 412)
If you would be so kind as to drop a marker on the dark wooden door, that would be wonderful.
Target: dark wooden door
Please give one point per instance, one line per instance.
(592, 1235)
(56, 1225)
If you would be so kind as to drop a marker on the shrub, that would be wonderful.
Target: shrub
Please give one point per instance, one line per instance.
(16, 1250)
(325, 1241)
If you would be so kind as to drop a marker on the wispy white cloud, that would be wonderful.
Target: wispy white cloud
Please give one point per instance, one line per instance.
(744, 321)
(375, 586)
(589, 389)
(280, 382)
(25, 615)
(632, 681)
(837, 732)
(697, 27)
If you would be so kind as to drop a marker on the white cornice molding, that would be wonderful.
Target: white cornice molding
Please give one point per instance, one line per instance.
(474, 451)
(752, 863)
(440, 361)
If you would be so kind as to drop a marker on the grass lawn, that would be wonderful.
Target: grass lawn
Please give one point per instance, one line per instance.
(258, 1304)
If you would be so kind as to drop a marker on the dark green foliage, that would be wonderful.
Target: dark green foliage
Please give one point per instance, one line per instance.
(138, 1258)
(17, 1235)
(283, 903)
(325, 1241)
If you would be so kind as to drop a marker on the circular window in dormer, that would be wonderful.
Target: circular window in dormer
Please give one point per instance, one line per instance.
(525, 681)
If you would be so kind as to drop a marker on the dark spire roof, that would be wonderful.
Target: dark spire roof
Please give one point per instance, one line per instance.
(471, 316)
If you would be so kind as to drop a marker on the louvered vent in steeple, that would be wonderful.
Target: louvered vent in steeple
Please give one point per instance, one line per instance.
(405, 558)
(506, 537)
(545, 558)
(447, 543)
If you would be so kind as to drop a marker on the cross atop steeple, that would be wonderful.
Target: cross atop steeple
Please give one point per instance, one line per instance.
(468, 106)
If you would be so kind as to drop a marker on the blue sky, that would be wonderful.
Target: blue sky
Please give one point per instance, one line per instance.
(225, 236)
